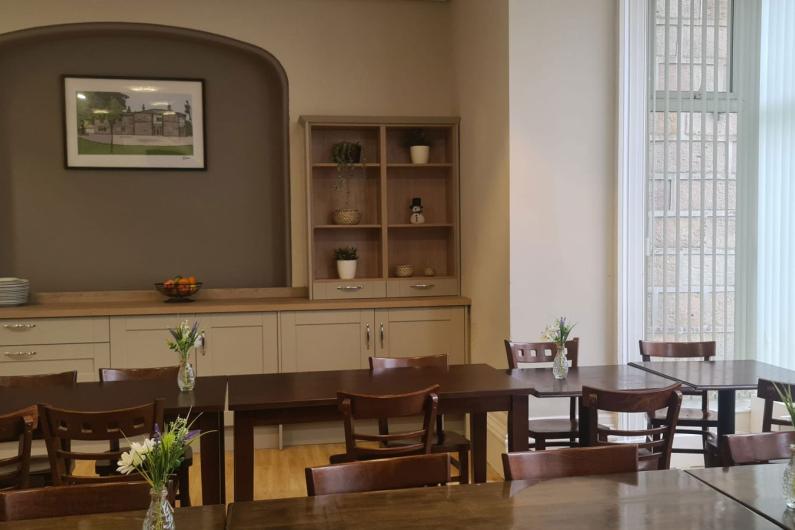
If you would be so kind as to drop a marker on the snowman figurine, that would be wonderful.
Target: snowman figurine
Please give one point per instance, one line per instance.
(416, 211)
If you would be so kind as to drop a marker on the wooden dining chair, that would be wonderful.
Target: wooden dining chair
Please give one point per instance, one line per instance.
(61, 501)
(38, 381)
(757, 448)
(422, 403)
(555, 432)
(654, 452)
(766, 390)
(570, 462)
(701, 419)
(17, 427)
(444, 441)
(165, 373)
(385, 474)
(39, 473)
(60, 425)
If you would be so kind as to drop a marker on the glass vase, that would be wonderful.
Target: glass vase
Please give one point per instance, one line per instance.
(186, 377)
(160, 515)
(789, 480)
(560, 364)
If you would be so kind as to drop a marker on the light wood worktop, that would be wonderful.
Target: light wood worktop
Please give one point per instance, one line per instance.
(115, 307)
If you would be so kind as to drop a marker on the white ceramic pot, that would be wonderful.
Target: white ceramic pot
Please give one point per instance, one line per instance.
(420, 154)
(346, 268)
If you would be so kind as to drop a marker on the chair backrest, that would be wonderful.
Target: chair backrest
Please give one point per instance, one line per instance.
(138, 374)
(575, 462)
(37, 381)
(17, 427)
(373, 475)
(539, 352)
(677, 350)
(766, 390)
(428, 361)
(61, 501)
(365, 407)
(61, 427)
(758, 448)
(658, 441)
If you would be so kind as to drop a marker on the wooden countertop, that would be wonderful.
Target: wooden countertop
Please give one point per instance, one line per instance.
(98, 308)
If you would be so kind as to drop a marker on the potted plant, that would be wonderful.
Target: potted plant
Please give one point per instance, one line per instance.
(559, 332)
(347, 258)
(346, 155)
(419, 146)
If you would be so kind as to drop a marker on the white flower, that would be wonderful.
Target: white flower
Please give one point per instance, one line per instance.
(126, 464)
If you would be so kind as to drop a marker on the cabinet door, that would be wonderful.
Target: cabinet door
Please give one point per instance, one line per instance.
(415, 332)
(326, 340)
(141, 342)
(239, 343)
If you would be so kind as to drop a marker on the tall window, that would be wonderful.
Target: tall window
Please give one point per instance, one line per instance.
(691, 179)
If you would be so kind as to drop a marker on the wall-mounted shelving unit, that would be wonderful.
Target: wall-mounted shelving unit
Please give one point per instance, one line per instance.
(381, 188)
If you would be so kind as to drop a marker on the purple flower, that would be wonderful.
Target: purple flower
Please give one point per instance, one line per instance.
(191, 435)
(156, 434)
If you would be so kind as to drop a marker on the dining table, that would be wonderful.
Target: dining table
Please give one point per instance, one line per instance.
(212, 517)
(650, 500)
(305, 397)
(206, 403)
(758, 487)
(724, 376)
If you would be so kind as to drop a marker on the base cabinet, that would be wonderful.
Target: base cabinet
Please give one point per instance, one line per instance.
(422, 331)
(326, 340)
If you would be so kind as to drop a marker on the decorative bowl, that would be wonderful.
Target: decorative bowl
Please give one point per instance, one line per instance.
(178, 292)
(347, 216)
(404, 271)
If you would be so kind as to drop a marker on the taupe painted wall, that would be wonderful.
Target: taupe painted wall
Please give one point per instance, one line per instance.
(70, 230)
(368, 57)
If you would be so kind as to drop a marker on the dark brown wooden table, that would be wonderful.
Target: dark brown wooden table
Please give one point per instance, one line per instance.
(208, 398)
(638, 501)
(608, 377)
(272, 399)
(724, 376)
(194, 518)
(757, 487)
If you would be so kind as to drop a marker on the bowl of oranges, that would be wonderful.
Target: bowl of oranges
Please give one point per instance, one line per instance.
(179, 288)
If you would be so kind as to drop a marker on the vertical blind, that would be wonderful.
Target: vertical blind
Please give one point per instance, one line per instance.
(775, 282)
(691, 174)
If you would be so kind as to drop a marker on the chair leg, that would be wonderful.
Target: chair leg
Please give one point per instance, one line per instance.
(183, 478)
(463, 462)
(541, 443)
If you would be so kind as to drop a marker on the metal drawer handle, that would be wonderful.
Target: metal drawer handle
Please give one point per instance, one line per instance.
(422, 286)
(19, 326)
(350, 287)
(20, 354)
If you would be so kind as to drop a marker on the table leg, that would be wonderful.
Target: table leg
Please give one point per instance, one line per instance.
(244, 456)
(212, 457)
(477, 435)
(725, 412)
(518, 424)
(585, 428)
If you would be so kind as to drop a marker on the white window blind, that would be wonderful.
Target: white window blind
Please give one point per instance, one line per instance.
(775, 279)
(691, 174)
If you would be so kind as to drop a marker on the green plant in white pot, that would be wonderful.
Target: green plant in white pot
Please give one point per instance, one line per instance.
(347, 259)
(419, 146)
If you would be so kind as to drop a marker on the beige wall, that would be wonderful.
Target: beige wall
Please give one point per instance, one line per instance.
(563, 184)
(480, 47)
(341, 56)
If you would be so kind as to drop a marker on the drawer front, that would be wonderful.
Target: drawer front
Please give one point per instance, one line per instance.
(37, 359)
(422, 286)
(54, 331)
(349, 289)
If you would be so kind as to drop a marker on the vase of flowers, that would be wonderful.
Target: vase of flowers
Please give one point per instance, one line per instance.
(155, 460)
(788, 484)
(186, 337)
(559, 332)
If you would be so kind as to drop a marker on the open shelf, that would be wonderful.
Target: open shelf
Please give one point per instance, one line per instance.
(435, 186)
(321, 165)
(419, 166)
(440, 137)
(324, 138)
(423, 225)
(365, 195)
(346, 227)
(366, 241)
(434, 247)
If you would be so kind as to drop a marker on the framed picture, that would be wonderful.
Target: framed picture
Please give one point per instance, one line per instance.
(126, 123)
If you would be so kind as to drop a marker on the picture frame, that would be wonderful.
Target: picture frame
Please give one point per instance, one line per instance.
(134, 123)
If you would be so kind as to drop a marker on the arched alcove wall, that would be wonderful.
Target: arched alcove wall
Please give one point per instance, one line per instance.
(79, 230)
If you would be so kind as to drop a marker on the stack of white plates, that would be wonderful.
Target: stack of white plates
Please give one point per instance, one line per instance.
(13, 291)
